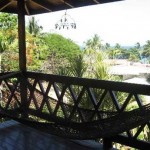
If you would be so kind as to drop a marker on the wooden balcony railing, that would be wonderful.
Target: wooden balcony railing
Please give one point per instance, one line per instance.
(76, 100)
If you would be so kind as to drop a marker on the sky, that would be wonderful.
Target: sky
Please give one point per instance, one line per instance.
(126, 22)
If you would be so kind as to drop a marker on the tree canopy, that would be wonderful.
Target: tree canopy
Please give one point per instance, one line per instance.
(47, 50)
(61, 47)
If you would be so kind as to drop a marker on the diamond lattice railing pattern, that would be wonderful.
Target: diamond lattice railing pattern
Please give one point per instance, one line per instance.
(84, 100)
(10, 91)
(75, 99)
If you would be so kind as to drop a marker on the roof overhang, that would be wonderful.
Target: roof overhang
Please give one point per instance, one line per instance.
(33, 7)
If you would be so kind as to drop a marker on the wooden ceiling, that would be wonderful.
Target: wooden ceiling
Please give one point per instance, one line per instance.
(33, 7)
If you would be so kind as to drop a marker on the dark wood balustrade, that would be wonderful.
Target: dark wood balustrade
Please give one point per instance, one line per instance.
(77, 100)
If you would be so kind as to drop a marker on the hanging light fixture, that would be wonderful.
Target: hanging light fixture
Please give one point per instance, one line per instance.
(66, 22)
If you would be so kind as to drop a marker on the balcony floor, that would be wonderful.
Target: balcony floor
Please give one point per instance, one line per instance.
(16, 136)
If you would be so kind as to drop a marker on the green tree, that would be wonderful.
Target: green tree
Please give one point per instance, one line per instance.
(137, 45)
(37, 51)
(146, 49)
(35, 44)
(107, 46)
(77, 66)
(114, 52)
(8, 41)
(93, 46)
(8, 21)
(62, 47)
(60, 50)
(94, 43)
(101, 68)
(8, 29)
(134, 54)
(139, 49)
(33, 27)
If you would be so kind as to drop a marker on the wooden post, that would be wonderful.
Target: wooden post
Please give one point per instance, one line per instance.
(22, 54)
(21, 35)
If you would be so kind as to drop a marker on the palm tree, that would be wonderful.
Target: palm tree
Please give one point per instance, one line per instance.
(78, 67)
(92, 47)
(34, 40)
(146, 49)
(94, 43)
(117, 52)
(139, 49)
(138, 45)
(113, 53)
(107, 46)
(33, 27)
(75, 67)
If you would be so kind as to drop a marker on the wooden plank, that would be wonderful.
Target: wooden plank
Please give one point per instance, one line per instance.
(21, 35)
(18, 136)
(93, 83)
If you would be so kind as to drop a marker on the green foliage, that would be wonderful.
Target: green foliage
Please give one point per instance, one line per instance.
(101, 68)
(8, 42)
(2, 45)
(78, 67)
(94, 43)
(33, 27)
(10, 61)
(117, 52)
(75, 67)
(134, 54)
(8, 30)
(8, 21)
(62, 47)
(60, 52)
(146, 49)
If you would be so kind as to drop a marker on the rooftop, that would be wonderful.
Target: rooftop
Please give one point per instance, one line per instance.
(129, 69)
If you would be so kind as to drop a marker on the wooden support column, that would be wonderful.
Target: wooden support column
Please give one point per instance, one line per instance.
(22, 55)
(21, 35)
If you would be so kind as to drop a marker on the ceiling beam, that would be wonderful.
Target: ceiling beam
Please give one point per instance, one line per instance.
(79, 3)
(43, 4)
(107, 1)
(26, 8)
(5, 4)
(63, 1)
(52, 7)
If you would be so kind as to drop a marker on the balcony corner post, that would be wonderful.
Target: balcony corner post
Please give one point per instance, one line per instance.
(23, 94)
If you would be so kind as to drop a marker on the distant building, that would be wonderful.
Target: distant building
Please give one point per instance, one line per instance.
(128, 69)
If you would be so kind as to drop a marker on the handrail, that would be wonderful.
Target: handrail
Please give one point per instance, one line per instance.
(7, 75)
(93, 83)
(62, 86)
